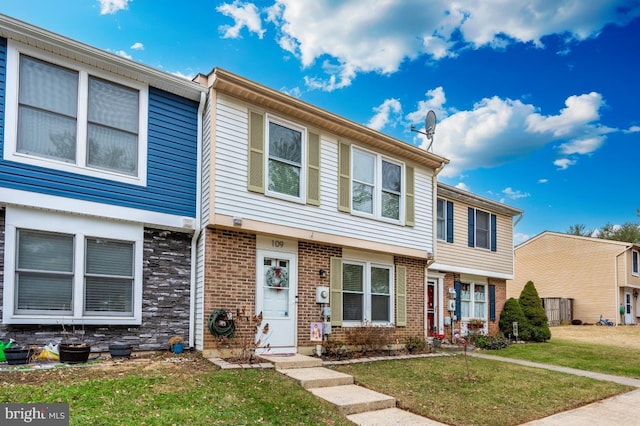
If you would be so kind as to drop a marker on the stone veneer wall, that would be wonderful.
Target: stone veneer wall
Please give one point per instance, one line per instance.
(165, 299)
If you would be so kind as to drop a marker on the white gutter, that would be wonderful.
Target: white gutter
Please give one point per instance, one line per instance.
(615, 282)
(197, 230)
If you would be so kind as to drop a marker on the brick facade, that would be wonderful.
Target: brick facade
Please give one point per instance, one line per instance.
(165, 300)
(501, 297)
(230, 283)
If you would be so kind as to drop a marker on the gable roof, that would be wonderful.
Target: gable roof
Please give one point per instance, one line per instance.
(472, 199)
(30, 35)
(551, 234)
(257, 94)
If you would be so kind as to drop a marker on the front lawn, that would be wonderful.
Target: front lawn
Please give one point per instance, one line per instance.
(598, 357)
(495, 393)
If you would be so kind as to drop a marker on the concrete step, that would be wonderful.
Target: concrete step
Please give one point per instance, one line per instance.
(284, 362)
(352, 399)
(391, 417)
(318, 377)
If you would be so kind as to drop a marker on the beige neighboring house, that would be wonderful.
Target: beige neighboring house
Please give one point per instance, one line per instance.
(601, 276)
(473, 260)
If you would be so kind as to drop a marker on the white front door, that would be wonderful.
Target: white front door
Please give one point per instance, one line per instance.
(628, 307)
(276, 297)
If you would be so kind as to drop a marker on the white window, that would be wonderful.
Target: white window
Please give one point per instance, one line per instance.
(70, 270)
(483, 228)
(286, 154)
(74, 119)
(367, 292)
(635, 269)
(473, 301)
(377, 185)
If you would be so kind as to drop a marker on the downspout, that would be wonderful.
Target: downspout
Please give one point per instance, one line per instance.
(197, 229)
(434, 202)
(615, 283)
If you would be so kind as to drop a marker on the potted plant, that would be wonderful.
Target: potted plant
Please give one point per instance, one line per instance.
(16, 355)
(475, 324)
(73, 352)
(437, 339)
(176, 344)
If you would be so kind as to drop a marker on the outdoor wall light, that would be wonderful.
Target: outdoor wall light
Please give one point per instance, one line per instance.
(323, 273)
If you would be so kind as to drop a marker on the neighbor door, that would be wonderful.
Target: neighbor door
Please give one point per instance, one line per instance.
(276, 298)
(628, 307)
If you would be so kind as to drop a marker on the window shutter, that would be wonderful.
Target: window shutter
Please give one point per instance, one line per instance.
(492, 303)
(494, 243)
(449, 221)
(472, 228)
(344, 177)
(410, 199)
(457, 285)
(313, 169)
(255, 180)
(335, 283)
(401, 296)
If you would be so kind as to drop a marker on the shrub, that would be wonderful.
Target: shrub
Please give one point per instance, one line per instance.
(414, 343)
(535, 314)
(511, 313)
(490, 342)
(369, 337)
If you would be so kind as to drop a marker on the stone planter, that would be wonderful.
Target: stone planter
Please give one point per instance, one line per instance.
(74, 353)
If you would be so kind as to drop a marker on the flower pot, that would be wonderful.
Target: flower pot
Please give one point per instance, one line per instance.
(17, 355)
(74, 354)
(120, 350)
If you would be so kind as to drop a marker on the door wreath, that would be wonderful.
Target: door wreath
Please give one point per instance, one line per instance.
(277, 277)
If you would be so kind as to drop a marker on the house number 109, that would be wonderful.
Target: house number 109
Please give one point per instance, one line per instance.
(277, 243)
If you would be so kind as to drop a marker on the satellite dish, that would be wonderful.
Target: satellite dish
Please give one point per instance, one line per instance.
(430, 126)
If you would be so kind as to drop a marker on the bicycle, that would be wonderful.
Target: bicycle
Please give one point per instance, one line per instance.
(604, 321)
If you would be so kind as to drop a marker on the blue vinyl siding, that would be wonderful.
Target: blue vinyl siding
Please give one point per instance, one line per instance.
(171, 161)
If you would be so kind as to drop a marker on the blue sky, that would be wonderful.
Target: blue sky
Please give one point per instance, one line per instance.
(537, 103)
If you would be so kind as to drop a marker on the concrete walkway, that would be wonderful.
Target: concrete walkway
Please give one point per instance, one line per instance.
(360, 405)
(368, 408)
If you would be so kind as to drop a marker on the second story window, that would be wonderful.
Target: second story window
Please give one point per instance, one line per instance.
(70, 118)
(285, 159)
(376, 185)
(482, 229)
(635, 269)
(445, 220)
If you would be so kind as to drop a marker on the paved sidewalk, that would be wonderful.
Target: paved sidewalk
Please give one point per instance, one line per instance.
(618, 410)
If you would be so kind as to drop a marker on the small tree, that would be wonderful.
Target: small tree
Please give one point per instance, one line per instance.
(535, 314)
(512, 312)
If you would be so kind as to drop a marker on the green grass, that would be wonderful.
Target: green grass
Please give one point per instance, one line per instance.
(608, 359)
(496, 393)
(218, 397)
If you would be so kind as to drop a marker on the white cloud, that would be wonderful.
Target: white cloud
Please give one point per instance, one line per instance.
(514, 195)
(137, 46)
(123, 54)
(543, 180)
(189, 77)
(109, 7)
(632, 129)
(245, 15)
(463, 186)
(564, 163)
(496, 131)
(354, 36)
(389, 109)
(435, 101)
